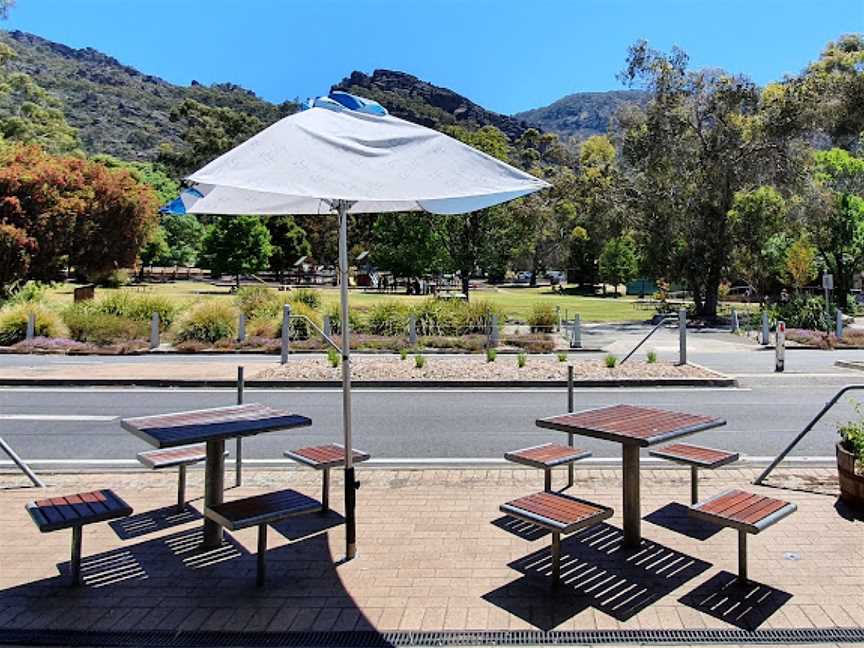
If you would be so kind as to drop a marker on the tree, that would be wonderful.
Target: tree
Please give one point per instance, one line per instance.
(208, 132)
(618, 261)
(800, 259)
(835, 217)
(408, 245)
(698, 141)
(238, 245)
(184, 235)
(15, 251)
(30, 114)
(757, 219)
(78, 212)
(154, 252)
(289, 243)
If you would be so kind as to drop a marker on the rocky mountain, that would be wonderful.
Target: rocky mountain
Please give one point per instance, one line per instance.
(117, 109)
(421, 102)
(581, 114)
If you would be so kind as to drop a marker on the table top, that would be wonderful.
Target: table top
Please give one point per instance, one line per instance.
(631, 425)
(197, 426)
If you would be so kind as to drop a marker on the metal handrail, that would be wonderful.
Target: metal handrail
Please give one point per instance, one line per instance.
(662, 321)
(804, 432)
(18, 461)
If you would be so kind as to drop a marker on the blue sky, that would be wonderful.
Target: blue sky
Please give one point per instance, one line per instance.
(506, 55)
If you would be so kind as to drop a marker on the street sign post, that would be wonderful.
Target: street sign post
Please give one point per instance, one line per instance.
(780, 348)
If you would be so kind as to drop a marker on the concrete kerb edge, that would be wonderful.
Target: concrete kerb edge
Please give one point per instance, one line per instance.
(720, 381)
(857, 365)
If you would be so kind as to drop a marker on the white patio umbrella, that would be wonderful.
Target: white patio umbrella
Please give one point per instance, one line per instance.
(345, 154)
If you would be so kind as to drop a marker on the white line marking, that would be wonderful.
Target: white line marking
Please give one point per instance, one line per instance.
(791, 375)
(364, 390)
(56, 417)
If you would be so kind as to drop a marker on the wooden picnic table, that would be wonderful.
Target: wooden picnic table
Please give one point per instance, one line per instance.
(212, 427)
(634, 428)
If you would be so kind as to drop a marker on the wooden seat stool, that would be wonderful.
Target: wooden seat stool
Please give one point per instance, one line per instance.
(696, 457)
(75, 512)
(747, 512)
(560, 514)
(180, 458)
(324, 457)
(261, 510)
(547, 456)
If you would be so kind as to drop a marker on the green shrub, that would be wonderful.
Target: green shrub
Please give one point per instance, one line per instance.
(562, 356)
(403, 353)
(475, 316)
(28, 292)
(532, 343)
(491, 354)
(141, 307)
(436, 317)
(419, 361)
(388, 318)
(542, 318)
(112, 279)
(208, 321)
(521, 359)
(610, 361)
(333, 357)
(13, 323)
(264, 328)
(308, 296)
(355, 319)
(301, 328)
(257, 301)
(101, 329)
(470, 343)
(803, 312)
(651, 357)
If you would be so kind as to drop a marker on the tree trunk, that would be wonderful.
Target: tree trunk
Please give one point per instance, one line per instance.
(466, 282)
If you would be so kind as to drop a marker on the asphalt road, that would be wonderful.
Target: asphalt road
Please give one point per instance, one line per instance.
(763, 414)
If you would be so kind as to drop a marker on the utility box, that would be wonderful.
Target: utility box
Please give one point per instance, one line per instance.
(84, 293)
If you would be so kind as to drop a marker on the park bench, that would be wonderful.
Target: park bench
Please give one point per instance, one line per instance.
(74, 512)
(261, 510)
(324, 457)
(558, 513)
(175, 457)
(696, 457)
(546, 457)
(747, 512)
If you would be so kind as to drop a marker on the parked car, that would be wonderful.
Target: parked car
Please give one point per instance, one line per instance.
(556, 277)
(523, 276)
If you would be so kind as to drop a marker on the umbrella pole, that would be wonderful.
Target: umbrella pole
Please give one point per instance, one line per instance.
(350, 482)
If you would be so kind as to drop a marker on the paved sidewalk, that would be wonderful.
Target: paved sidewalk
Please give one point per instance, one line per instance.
(434, 553)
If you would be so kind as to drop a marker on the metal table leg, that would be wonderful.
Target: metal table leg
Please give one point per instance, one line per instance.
(632, 513)
(214, 486)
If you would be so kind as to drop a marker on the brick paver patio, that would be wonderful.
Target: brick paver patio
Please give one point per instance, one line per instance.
(435, 553)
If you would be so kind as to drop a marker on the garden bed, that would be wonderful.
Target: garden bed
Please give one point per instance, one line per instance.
(477, 368)
(852, 339)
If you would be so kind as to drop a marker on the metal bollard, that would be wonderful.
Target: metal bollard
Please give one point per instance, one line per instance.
(241, 328)
(31, 326)
(570, 408)
(558, 317)
(328, 329)
(412, 330)
(838, 327)
(154, 331)
(780, 348)
(286, 332)
(734, 321)
(493, 332)
(682, 336)
(238, 448)
(766, 329)
(576, 332)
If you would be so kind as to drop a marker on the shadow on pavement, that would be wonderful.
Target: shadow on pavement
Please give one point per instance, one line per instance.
(675, 517)
(519, 528)
(745, 605)
(151, 521)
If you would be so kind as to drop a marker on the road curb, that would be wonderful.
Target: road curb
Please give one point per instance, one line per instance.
(720, 381)
(850, 364)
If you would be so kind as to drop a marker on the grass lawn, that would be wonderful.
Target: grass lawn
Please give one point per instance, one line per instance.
(515, 301)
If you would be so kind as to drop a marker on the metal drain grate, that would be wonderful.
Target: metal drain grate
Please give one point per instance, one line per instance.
(372, 639)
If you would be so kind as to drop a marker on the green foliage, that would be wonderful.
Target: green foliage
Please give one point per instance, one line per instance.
(651, 357)
(618, 262)
(27, 293)
(137, 306)
(16, 250)
(437, 317)
(800, 260)
(156, 251)
(419, 361)
(388, 318)
(562, 356)
(491, 354)
(803, 312)
(521, 359)
(403, 353)
(757, 219)
(543, 317)
(610, 361)
(238, 245)
(301, 316)
(101, 329)
(355, 319)
(208, 321)
(184, 236)
(257, 301)
(333, 357)
(408, 245)
(852, 436)
(289, 242)
(308, 296)
(13, 323)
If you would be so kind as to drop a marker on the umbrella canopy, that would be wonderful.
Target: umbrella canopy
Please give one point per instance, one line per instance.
(345, 154)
